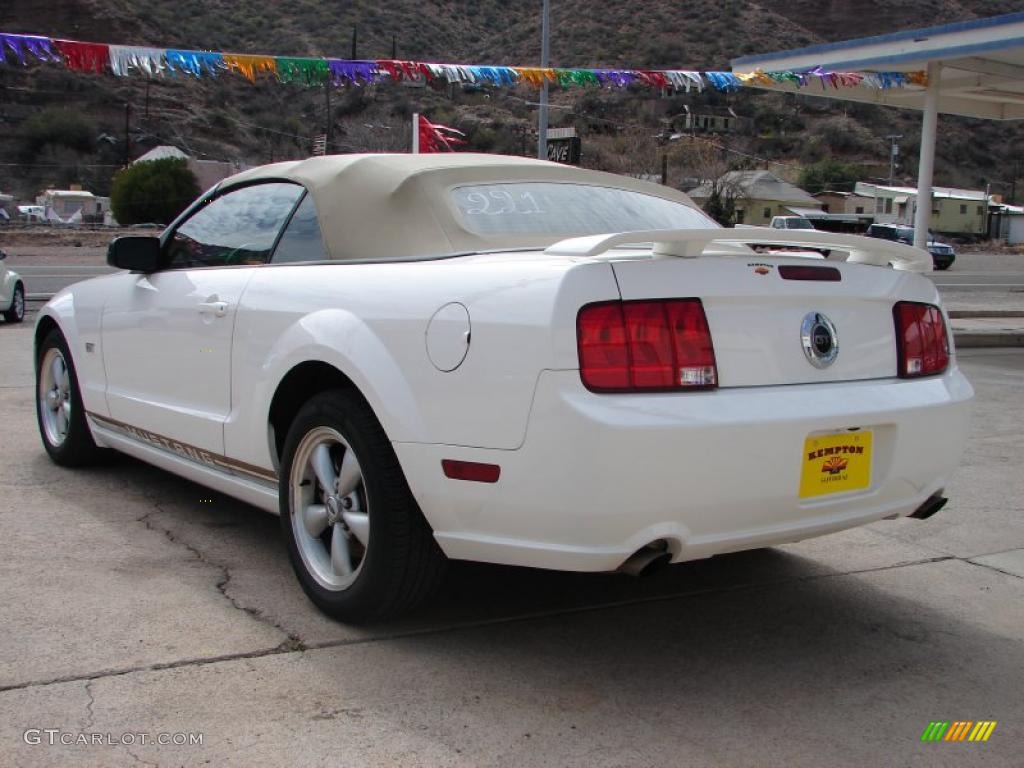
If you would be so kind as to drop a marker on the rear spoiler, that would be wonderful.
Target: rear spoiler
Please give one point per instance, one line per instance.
(690, 243)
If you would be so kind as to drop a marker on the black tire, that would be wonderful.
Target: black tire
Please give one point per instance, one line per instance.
(77, 449)
(17, 311)
(402, 564)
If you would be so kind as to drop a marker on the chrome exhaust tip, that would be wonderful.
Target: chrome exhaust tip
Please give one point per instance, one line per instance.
(647, 560)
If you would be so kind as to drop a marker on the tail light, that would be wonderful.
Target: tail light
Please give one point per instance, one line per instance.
(922, 347)
(645, 346)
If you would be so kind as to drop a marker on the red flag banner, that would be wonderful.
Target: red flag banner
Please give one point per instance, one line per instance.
(439, 138)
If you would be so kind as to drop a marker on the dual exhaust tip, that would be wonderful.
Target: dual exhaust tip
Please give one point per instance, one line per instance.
(655, 556)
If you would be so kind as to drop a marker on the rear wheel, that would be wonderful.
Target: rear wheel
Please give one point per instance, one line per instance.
(357, 540)
(59, 408)
(17, 311)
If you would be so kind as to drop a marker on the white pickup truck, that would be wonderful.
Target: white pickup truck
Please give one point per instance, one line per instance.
(791, 222)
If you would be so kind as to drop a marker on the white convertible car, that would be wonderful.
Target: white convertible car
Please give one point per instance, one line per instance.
(421, 357)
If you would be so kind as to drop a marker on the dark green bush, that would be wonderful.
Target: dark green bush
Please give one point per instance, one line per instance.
(155, 191)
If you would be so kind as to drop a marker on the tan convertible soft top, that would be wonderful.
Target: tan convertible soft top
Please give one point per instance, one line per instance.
(380, 206)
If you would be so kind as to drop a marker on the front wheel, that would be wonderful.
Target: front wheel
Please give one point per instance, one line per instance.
(59, 408)
(356, 538)
(17, 311)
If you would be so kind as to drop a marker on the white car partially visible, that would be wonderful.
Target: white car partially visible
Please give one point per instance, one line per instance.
(414, 358)
(12, 293)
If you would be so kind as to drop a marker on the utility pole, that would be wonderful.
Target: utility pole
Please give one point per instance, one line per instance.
(394, 47)
(545, 62)
(355, 39)
(330, 117)
(894, 152)
(127, 136)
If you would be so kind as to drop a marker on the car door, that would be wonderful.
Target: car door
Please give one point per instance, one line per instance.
(166, 336)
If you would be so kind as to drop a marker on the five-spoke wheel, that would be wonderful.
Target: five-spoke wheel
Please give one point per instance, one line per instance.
(55, 397)
(331, 522)
(357, 540)
(59, 408)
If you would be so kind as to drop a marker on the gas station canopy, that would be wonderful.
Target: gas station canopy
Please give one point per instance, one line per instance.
(974, 68)
(981, 72)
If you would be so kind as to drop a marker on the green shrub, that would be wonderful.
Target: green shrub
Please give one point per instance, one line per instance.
(57, 128)
(829, 175)
(155, 191)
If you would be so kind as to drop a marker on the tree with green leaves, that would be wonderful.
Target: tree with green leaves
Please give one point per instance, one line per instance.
(155, 191)
(829, 175)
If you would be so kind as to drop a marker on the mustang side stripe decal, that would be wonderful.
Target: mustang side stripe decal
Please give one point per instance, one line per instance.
(191, 452)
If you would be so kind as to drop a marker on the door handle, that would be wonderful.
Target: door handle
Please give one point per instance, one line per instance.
(215, 308)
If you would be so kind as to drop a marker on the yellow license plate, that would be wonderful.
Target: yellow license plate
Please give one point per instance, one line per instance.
(836, 463)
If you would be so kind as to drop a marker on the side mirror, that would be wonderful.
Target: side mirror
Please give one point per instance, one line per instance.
(135, 253)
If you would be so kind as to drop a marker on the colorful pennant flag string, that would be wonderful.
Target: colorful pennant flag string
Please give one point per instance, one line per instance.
(124, 60)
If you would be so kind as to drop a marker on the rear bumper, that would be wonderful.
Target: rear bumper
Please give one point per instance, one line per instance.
(600, 476)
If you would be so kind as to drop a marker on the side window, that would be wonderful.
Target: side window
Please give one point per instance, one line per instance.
(237, 228)
(301, 240)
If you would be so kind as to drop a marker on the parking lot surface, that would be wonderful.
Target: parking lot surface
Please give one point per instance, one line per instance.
(137, 604)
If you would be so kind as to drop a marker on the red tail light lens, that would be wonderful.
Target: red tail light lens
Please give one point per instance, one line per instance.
(646, 346)
(922, 347)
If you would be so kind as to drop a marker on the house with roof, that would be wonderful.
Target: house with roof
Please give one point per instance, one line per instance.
(846, 202)
(954, 211)
(759, 196)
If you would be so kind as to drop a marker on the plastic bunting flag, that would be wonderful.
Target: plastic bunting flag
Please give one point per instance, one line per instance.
(304, 71)
(123, 60)
(19, 45)
(84, 57)
(195, 62)
(250, 66)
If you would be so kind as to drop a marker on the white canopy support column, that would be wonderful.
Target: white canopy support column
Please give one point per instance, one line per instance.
(926, 164)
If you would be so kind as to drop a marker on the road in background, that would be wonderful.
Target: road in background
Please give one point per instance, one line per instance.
(45, 280)
(976, 279)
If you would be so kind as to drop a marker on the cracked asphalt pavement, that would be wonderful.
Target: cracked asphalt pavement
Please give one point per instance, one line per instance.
(138, 603)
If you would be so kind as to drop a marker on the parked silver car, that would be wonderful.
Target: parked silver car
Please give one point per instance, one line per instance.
(12, 293)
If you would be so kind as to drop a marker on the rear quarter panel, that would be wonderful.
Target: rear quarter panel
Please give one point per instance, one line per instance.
(370, 320)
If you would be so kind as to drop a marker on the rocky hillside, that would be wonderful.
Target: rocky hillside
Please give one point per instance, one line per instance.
(58, 127)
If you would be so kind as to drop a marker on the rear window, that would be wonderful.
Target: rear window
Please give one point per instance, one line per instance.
(545, 208)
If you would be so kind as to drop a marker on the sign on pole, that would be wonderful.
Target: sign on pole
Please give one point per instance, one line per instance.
(564, 146)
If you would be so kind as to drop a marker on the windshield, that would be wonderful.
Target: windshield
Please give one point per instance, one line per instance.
(546, 208)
